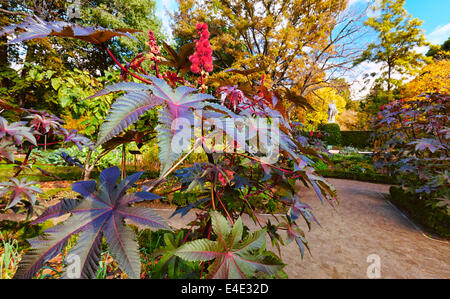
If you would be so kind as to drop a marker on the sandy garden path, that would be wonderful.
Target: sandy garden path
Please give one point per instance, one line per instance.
(363, 224)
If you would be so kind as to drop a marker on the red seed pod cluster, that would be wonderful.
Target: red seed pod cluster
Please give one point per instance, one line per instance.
(202, 57)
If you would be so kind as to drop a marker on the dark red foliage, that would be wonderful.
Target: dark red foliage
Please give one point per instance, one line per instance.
(172, 78)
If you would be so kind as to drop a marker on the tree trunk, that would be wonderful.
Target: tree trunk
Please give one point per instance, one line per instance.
(3, 52)
(389, 80)
(87, 167)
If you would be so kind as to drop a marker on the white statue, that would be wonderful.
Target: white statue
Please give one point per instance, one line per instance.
(332, 111)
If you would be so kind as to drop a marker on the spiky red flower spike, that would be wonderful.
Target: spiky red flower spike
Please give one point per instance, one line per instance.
(154, 52)
(202, 58)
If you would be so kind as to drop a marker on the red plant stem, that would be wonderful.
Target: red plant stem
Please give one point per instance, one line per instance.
(157, 70)
(25, 161)
(201, 273)
(192, 226)
(253, 212)
(51, 143)
(226, 211)
(209, 232)
(125, 69)
(212, 195)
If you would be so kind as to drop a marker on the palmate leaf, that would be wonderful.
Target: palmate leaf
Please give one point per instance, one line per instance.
(121, 86)
(233, 257)
(169, 263)
(427, 143)
(101, 213)
(7, 150)
(125, 111)
(19, 188)
(44, 121)
(295, 233)
(176, 113)
(128, 108)
(75, 138)
(59, 209)
(17, 131)
(34, 27)
(179, 60)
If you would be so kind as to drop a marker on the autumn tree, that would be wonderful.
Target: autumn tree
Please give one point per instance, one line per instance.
(398, 36)
(433, 77)
(440, 51)
(300, 46)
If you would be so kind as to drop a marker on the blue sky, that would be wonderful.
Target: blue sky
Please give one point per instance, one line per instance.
(435, 15)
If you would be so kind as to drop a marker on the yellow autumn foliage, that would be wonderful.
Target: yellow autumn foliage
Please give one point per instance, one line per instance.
(434, 76)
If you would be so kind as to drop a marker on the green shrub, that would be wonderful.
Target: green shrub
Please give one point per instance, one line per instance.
(331, 134)
(430, 214)
(357, 175)
(358, 139)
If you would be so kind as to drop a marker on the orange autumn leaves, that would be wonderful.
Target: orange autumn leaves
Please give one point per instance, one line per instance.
(433, 77)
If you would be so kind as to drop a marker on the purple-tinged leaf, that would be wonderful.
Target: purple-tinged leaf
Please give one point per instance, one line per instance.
(36, 28)
(73, 136)
(19, 189)
(7, 150)
(121, 86)
(71, 161)
(57, 210)
(44, 122)
(17, 131)
(184, 210)
(125, 111)
(123, 246)
(101, 213)
(138, 197)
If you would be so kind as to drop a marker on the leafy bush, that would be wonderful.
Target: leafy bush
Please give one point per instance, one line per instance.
(412, 143)
(358, 139)
(429, 213)
(331, 134)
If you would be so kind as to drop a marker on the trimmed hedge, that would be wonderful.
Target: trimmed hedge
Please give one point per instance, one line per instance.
(332, 134)
(435, 218)
(358, 139)
(357, 175)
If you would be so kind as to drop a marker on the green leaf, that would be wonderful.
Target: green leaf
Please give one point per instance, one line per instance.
(233, 258)
(56, 83)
